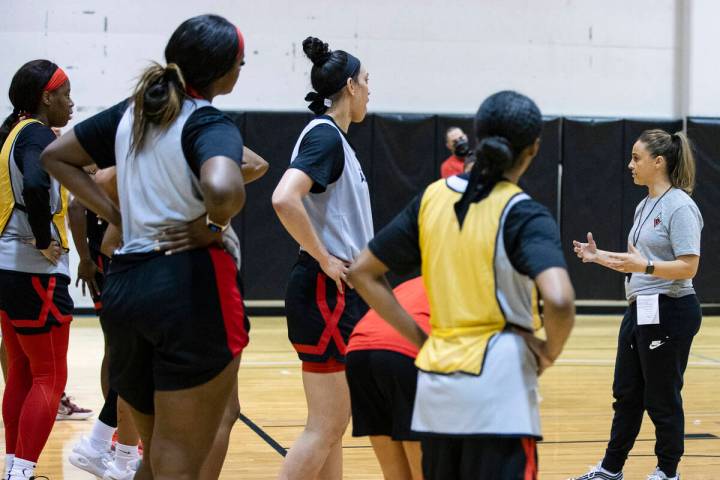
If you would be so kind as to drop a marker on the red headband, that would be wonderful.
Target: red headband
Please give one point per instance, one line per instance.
(56, 81)
(241, 43)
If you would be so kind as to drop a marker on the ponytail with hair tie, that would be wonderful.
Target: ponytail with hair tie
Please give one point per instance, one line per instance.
(494, 155)
(506, 124)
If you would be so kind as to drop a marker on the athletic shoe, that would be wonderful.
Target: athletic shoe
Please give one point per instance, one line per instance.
(660, 475)
(67, 410)
(86, 457)
(596, 473)
(25, 477)
(114, 473)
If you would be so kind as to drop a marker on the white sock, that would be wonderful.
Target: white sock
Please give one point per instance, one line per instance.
(9, 457)
(125, 454)
(22, 468)
(101, 436)
(608, 471)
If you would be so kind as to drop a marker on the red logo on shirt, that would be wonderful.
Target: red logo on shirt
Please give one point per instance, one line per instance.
(657, 221)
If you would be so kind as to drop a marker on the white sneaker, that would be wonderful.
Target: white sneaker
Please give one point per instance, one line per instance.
(114, 473)
(86, 457)
(597, 473)
(660, 475)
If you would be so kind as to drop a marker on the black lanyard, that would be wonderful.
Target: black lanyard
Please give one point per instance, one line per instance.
(638, 229)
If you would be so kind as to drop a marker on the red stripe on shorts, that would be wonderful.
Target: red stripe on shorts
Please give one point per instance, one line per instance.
(48, 306)
(530, 461)
(331, 321)
(231, 304)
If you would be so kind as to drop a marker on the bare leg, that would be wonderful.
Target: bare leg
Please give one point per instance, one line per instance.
(328, 401)
(126, 431)
(213, 465)
(391, 457)
(413, 453)
(186, 425)
(145, 425)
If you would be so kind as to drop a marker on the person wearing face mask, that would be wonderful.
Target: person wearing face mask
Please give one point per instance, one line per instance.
(457, 142)
(323, 201)
(663, 314)
(35, 305)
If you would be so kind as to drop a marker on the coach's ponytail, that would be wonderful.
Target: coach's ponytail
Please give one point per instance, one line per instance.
(678, 154)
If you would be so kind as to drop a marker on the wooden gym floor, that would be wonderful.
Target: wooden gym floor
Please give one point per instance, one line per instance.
(576, 407)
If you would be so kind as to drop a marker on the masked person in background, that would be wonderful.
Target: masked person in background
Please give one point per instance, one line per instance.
(457, 142)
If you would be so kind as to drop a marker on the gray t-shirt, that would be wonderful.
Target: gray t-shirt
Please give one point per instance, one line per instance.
(665, 227)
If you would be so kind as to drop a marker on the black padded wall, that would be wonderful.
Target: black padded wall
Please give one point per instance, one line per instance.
(592, 151)
(541, 179)
(401, 155)
(360, 136)
(705, 135)
(269, 251)
(403, 162)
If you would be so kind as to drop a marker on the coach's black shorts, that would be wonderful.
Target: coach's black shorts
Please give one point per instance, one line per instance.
(382, 393)
(319, 318)
(486, 458)
(172, 321)
(34, 303)
(102, 263)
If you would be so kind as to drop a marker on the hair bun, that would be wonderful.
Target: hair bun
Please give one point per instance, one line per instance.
(316, 50)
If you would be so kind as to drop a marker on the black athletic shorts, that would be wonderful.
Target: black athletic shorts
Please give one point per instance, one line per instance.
(486, 458)
(34, 303)
(382, 393)
(320, 319)
(172, 321)
(102, 263)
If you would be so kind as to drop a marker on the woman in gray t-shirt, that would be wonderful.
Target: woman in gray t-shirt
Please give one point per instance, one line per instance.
(663, 314)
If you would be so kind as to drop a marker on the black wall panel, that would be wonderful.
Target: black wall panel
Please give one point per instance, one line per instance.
(360, 136)
(705, 134)
(633, 194)
(403, 162)
(541, 179)
(401, 154)
(592, 152)
(269, 251)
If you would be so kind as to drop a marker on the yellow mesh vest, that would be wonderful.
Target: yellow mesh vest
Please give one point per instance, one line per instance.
(7, 197)
(459, 274)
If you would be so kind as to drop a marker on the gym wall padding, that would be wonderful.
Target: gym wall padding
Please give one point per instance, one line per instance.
(705, 136)
(401, 154)
(269, 252)
(592, 157)
(541, 179)
(403, 162)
